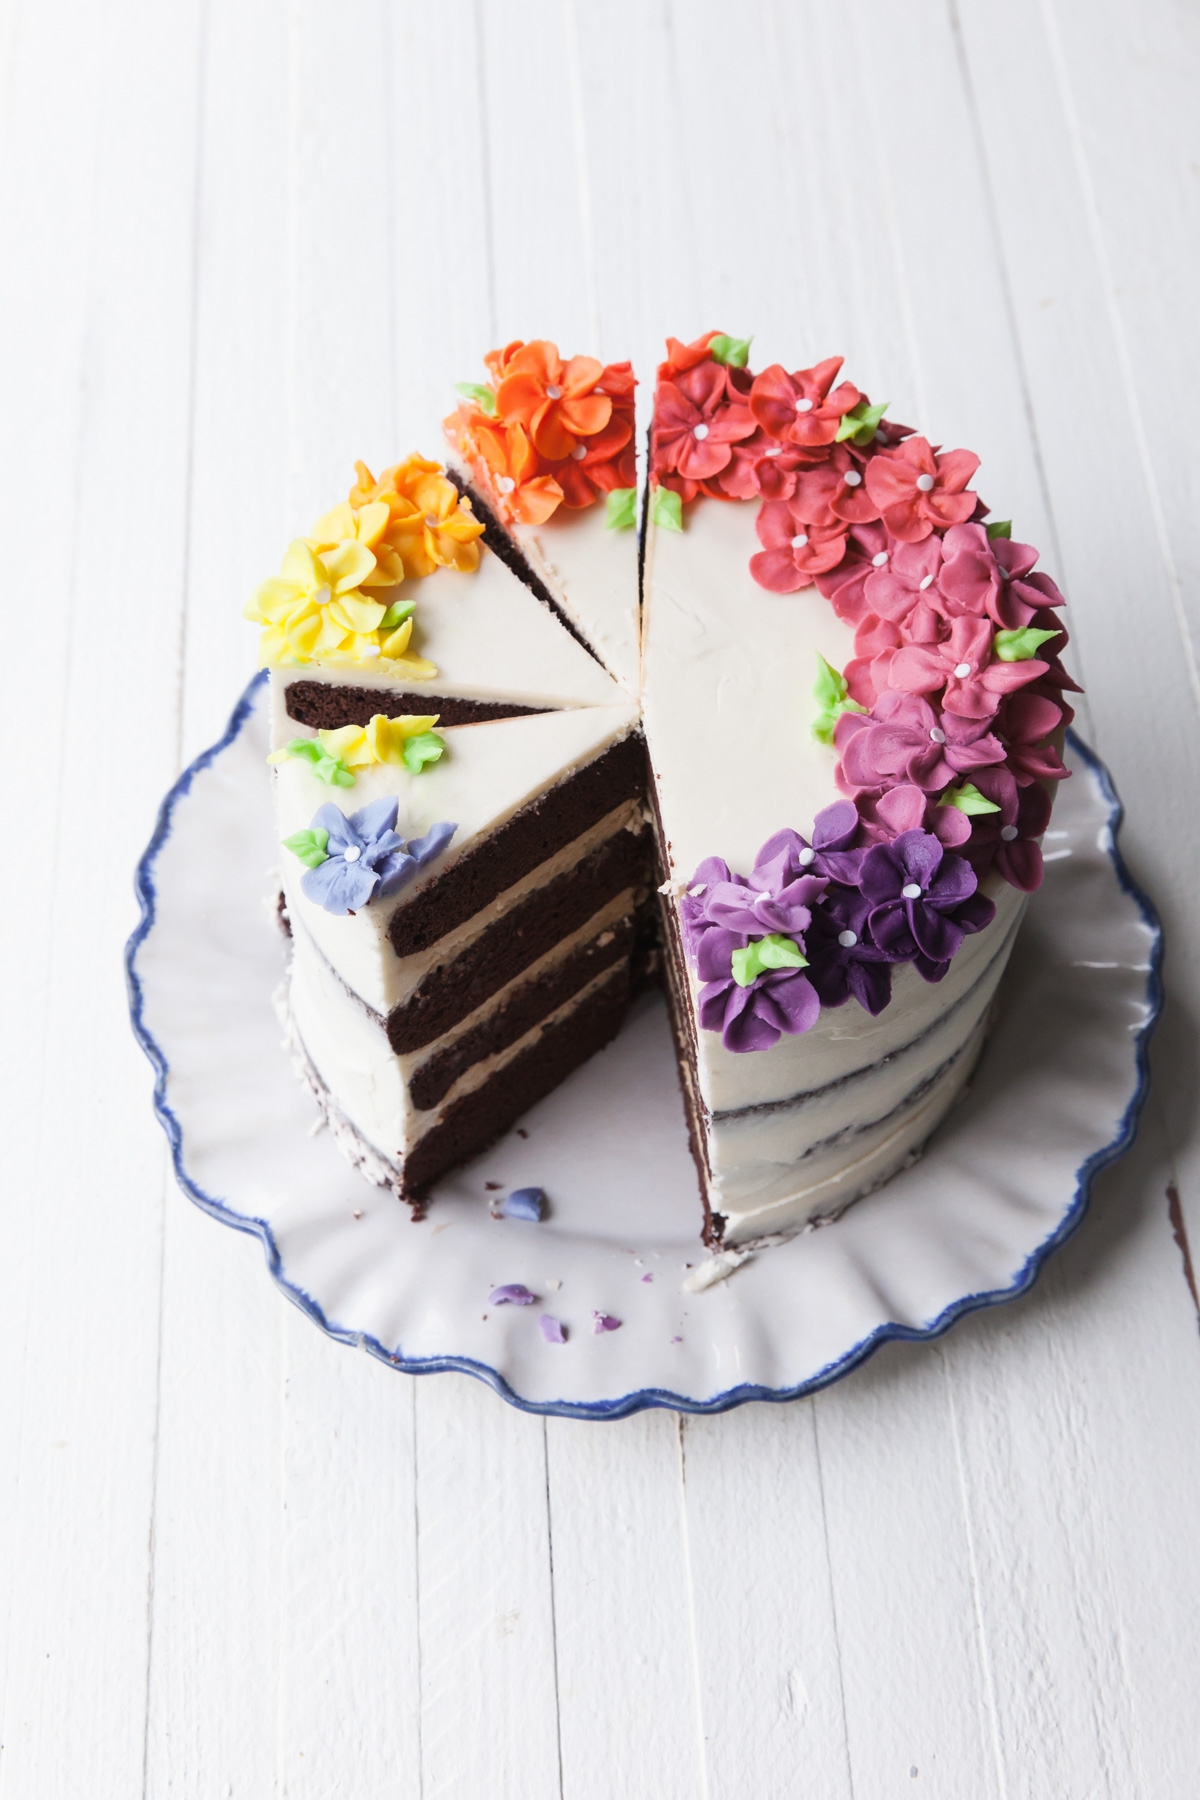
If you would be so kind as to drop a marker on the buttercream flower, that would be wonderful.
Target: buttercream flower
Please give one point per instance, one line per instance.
(315, 606)
(885, 815)
(599, 464)
(363, 522)
(903, 578)
(1026, 725)
(794, 553)
(1007, 840)
(974, 682)
(833, 493)
(427, 526)
(799, 408)
(364, 859)
(922, 900)
(685, 356)
(903, 739)
(830, 852)
(918, 491)
(408, 740)
(554, 400)
(695, 426)
(744, 938)
(844, 960)
(507, 464)
(845, 585)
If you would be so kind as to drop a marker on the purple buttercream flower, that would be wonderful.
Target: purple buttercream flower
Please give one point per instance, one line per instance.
(829, 853)
(903, 739)
(365, 858)
(513, 1293)
(844, 960)
(922, 901)
(723, 912)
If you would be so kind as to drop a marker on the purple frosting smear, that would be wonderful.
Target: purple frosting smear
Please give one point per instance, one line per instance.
(553, 1330)
(605, 1322)
(511, 1294)
(525, 1203)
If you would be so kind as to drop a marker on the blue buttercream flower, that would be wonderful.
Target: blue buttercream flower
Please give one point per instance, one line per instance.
(365, 859)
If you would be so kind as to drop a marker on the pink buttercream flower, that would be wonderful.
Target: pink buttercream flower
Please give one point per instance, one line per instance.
(799, 408)
(963, 665)
(904, 740)
(793, 552)
(834, 492)
(918, 491)
(1026, 724)
(876, 644)
(885, 815)
(905, 581)
(696, 423)
(845, 586)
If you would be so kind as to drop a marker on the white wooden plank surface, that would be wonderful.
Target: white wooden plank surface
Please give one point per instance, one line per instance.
(249, 240)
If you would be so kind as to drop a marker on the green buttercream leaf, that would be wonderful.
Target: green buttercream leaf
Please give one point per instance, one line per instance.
(830, 694)
(620, 509)
(325, 766)
(396, 614)
(772, 952)
(860, 424)
(1019, 646)
(733, 351)
(426, 747)
(998, 528)
(309, 846)
(667, 509)
(968, 799)
(483, 396)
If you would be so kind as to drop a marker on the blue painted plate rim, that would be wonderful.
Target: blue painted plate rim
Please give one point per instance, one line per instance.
(642, 1398)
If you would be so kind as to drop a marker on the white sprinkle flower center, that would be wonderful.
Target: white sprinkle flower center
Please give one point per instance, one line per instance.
(847, 939)
(799, 541)
(1008, 833)
(852, 478)
(910, 891)
(806, 856)
(579, 452)
(880, 560)
(432, 520)
(352, 854)
(773, 450)
(505, 483)
(961, 671)
(925, 483)
(322, 597)
(700, 431)
(553, 393)
(926, 581)
(803, 406)
(937, 734)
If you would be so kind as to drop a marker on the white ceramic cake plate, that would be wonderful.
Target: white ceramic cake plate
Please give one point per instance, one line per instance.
(1002, 1183)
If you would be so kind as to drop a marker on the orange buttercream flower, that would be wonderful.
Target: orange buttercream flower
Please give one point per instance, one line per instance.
(554, 401)
(507, 463)
(427, 527)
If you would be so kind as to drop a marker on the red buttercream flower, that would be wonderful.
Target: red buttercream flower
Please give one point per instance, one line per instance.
(974, 684)
(903, 740)
(793, 553)
(1027, 724)
(695, 428)
(799, 408)
(834, 491)
(685, 356)
(553, 400)
(599, 464)
(918, 491)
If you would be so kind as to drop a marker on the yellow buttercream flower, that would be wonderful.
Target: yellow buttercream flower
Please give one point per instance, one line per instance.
(428, 526)
(381, 741)
(366, 524)
(315, 607)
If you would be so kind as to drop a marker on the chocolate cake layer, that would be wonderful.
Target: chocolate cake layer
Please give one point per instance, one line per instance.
(479, 1117)
(530, 837)
(511, 943)
(324, 707)
(501, 545)
(535, 1000)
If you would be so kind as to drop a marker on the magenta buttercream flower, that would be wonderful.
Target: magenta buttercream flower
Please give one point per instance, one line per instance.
(845, 585)
(905, 581)
(794, 553)
(1026, 725)
(904, 740)
(696, 423)
(974, 683)
(885, 815)
(918, 491)
(922, 899)
(799, 408)
(833, 494)
(1007, 840)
